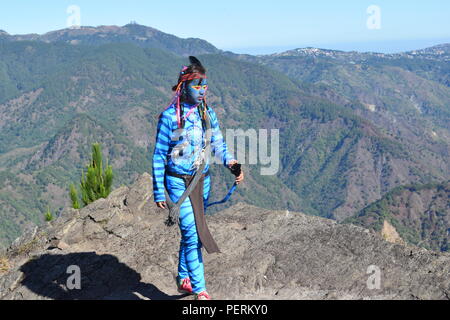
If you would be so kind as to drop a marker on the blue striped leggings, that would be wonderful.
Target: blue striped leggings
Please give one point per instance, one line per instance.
(190, 264)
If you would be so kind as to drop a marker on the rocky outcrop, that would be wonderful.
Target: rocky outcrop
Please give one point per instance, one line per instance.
(123, 250)
(389, 233)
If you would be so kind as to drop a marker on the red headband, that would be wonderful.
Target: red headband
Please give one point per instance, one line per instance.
(176, 98)
(192, 76)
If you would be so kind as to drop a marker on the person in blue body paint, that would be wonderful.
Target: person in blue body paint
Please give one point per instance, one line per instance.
(180, 140)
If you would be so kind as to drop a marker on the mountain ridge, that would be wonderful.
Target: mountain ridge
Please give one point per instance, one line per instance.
(133, 33)
(350, 132)
(435, 50)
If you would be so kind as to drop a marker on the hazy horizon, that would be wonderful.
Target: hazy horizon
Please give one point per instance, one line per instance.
(253, 27)
(391, 46)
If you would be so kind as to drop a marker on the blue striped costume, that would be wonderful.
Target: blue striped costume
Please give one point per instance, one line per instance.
(176, 150)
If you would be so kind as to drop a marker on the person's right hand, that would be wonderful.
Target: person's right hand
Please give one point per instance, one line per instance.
(161, 204)
(239, 178)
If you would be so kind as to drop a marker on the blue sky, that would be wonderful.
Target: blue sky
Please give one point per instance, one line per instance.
(253, 26)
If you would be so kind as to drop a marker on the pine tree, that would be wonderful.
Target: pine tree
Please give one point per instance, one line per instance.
(96, 184)
(74, 197)
(48, 215)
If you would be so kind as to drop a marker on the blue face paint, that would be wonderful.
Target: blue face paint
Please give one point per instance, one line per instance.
(196, 90)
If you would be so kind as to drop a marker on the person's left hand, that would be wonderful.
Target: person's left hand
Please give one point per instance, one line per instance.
(239, 178)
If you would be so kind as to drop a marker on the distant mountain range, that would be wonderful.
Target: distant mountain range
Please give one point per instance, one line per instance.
(354, 126)
(438, 53)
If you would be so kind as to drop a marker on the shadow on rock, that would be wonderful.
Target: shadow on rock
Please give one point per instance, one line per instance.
(100, 277)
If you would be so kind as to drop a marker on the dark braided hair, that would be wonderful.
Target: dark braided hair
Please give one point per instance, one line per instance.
(195, 67)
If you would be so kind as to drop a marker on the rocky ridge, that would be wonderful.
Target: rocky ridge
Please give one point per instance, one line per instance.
(124, 251)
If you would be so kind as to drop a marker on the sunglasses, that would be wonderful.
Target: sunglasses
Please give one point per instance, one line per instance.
(205, 87)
